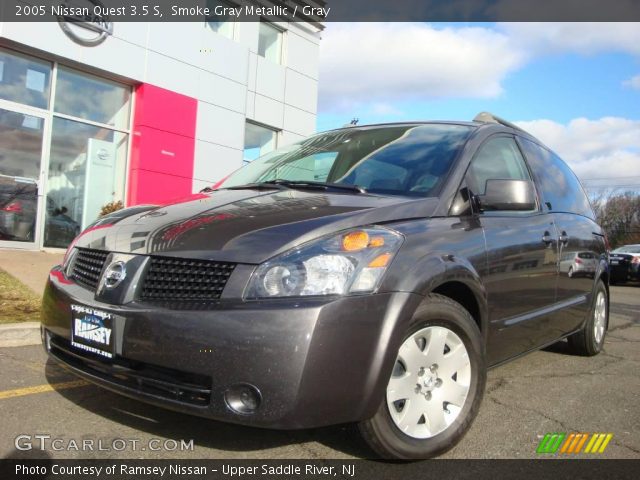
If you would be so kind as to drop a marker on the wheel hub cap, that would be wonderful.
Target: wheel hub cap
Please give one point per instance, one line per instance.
(600, 317)
(430, 382)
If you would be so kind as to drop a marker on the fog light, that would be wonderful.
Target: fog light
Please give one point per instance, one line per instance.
(243, 399)
(46, 338)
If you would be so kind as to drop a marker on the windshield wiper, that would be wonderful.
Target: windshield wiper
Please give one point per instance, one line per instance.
(257, 186)
(280, 184)
(316, 185)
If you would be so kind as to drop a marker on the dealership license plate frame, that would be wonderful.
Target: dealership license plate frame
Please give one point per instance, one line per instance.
(93, 331)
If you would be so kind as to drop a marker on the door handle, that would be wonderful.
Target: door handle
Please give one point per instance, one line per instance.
(547, 239)
(564, 238)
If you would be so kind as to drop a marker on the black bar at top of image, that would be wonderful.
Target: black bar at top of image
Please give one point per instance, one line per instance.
(323, 11)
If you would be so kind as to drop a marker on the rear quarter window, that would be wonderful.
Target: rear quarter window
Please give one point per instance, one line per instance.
(561, 189)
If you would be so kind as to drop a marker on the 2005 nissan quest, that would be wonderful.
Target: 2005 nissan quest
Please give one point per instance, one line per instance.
(368, 274)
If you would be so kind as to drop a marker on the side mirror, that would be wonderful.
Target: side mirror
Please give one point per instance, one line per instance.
(512, 195)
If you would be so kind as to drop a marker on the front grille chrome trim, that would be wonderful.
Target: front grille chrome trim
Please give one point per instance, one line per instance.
(184, 282)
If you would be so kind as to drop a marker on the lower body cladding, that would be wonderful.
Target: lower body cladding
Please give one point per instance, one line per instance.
(294, 363)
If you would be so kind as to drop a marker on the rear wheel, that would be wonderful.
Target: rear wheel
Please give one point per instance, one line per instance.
(590, 340)
(436, 386)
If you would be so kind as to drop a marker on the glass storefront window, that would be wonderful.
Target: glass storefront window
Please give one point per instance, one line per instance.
(92, 98)
(270, 42)
(20, 154)
(86, 171)
(258, 141)
(24, 79)
(86, 163)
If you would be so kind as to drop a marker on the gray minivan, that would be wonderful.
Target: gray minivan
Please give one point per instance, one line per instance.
(369, 274)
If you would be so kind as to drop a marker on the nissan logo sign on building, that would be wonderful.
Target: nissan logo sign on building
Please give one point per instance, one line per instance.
(82, 24)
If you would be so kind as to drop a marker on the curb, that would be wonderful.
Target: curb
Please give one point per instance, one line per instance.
(20, 334)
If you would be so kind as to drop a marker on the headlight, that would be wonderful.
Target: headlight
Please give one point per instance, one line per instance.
(348, 263)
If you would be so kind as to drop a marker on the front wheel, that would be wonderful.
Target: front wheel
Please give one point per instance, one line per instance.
(436, 385)
(590, 340)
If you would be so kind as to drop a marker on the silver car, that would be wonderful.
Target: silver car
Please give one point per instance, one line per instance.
(578, 263)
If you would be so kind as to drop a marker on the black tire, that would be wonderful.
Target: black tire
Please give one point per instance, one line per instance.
(570, 272)
(382, 434)
(584, 342)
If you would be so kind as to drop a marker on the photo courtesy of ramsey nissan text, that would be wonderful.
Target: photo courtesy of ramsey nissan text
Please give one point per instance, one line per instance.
(314, 239)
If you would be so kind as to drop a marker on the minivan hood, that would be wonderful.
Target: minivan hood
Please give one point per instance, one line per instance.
(246, 226)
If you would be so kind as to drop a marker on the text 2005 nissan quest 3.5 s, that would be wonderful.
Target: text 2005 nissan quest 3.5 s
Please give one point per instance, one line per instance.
(368, 274)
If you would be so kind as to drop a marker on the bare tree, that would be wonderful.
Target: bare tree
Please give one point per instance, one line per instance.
(619, 215)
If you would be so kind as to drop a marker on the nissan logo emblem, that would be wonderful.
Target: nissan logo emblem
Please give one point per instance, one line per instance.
(86, 25)
(115, 274)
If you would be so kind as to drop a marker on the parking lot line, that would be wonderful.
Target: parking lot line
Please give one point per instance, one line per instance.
(49, 387)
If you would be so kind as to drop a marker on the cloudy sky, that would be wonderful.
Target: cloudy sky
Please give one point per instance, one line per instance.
(575, 86)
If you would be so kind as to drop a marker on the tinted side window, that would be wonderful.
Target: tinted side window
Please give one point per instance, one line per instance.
(498, 159)
(560, 187)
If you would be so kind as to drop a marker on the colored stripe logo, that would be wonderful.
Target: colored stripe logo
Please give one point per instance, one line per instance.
(574, 443)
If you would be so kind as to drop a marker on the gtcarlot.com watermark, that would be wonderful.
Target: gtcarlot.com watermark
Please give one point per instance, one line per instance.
(25, 442)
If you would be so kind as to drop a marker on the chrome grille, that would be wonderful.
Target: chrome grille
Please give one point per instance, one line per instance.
(87, 267)
(171, 279)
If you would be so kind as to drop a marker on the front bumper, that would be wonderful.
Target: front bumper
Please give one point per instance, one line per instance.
(315, 361)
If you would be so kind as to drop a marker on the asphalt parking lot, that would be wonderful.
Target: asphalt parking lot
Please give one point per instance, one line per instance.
(547, 391)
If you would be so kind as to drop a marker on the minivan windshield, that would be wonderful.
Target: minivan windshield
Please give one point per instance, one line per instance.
(408, 160)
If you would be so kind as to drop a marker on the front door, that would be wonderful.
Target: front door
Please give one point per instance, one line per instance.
(22, 132)
(522, 255)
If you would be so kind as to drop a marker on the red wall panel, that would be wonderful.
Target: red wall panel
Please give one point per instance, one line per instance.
(163, 146)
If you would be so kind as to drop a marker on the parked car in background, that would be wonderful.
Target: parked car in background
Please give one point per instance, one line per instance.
(18, 207)
(369, 274)
(578, 263)
(625, 263)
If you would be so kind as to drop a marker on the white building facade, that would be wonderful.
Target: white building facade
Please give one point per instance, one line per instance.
(147, 113)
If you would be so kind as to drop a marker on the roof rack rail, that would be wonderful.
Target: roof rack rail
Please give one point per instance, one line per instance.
(487, 117)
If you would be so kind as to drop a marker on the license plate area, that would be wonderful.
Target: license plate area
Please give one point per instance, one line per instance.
(92, 330)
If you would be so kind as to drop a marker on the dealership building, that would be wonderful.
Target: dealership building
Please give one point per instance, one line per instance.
(140, 113)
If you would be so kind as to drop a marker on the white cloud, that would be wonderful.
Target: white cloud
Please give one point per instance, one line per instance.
(365, 63)
(604, 148)
(374, 66)
(381, 108)
(579, 37)
(376, 62)
(633, 82)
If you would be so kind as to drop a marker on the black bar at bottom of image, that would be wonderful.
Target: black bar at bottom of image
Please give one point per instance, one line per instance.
(116, 469)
